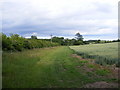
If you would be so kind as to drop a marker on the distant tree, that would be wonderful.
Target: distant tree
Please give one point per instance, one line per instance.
(14, 36)
(118, 40)
(79, 36)
(59, 40)
(33, 37)
(51, 37)
(98, 41)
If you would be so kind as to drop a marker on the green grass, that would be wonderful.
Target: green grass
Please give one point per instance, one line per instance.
(102, 72)
(45, 68)
(83, 62)
(103, 53)
(49, 67)
(91, 66)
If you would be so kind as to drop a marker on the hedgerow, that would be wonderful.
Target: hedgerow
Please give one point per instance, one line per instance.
(18, 43)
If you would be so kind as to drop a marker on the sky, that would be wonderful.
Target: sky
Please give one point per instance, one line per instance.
(94, 19)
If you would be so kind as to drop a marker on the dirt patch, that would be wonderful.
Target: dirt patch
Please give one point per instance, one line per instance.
(101, 84)
(64, 69)
(77, 66)
(115, 72)
(88, 69)
(80, 58)
(76, 56)
(61, 80)
(91, 67)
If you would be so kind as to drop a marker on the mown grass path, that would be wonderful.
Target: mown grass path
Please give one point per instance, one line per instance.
(45, 68)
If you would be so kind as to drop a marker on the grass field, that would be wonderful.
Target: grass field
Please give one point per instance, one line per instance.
(57, 67)
(103, 53)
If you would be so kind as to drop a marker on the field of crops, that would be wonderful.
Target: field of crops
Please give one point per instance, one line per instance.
(103, 53)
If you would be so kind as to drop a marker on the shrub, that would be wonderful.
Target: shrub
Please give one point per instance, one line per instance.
(17, 43)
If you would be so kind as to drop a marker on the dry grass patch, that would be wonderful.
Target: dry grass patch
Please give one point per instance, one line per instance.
(101, 84)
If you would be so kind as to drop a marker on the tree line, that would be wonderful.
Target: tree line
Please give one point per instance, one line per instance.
(78, 40)
(14, 42)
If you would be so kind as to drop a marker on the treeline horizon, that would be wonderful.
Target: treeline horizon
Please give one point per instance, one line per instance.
(77, 40)
(60, 37)
(16, 42)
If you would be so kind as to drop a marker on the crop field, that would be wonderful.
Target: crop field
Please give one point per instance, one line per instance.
(103, 53)
(56, 67)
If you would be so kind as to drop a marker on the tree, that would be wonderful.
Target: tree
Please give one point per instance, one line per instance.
(79, 37)
(59, 40)
(51, 37)
(6, 42)
(118, 40)
(33, 37)
(14, 35)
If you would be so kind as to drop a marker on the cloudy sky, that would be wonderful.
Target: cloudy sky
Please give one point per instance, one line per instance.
(94, 19)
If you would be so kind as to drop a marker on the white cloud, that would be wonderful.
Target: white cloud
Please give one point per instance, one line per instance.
(85, 16)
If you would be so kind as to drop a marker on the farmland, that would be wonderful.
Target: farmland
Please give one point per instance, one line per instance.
(55, 67)
(60, 44)
(103, 53)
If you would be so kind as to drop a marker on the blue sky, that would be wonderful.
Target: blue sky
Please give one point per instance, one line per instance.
(94, 19)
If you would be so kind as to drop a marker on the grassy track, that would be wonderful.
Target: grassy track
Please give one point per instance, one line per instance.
(48, 67)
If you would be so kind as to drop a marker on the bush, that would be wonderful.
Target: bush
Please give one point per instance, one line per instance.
(17, 43)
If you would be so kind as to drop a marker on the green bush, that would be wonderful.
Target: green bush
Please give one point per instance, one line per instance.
(17, 43)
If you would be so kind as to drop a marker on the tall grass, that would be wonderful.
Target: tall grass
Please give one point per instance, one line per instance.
(102, 53)
(42, 68)
(47, 68)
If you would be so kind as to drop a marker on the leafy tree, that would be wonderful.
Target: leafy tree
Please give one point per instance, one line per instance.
(98, 41)
(59, 40)
(118, 40)
(79, 36)
(6, 42)
(14, 36)
(33, 37)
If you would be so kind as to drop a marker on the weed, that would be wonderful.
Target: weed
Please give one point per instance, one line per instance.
(102, 72)
(91, 66)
